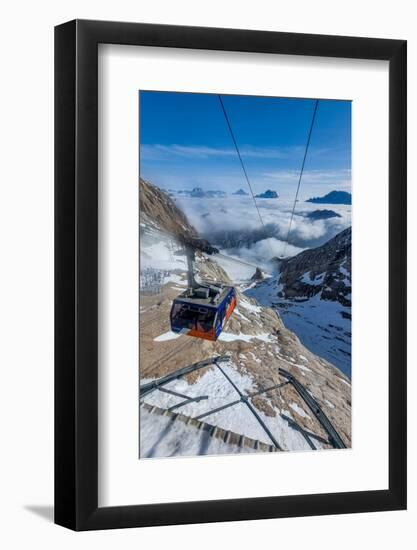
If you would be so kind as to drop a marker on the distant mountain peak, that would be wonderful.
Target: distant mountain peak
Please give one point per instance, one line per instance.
(268, 194)
(199, 192)
(334, 197)
(322, 214)
(240, 192)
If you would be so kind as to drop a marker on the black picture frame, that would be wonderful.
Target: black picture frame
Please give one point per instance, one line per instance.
(76, 272)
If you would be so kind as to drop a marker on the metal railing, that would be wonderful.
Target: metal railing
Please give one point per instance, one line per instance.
(159, 385)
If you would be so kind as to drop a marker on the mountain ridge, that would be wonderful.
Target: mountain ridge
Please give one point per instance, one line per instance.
(328, 268)
(159, 210)
(333, 197)
(268, 194)
(312, 293)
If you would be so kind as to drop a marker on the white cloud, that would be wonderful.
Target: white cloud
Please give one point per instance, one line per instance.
(164, 152)
(259, 253)
(337, 178)
(234, 224)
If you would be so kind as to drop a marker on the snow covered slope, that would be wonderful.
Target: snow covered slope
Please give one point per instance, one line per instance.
(159, 212)
(216, 392)
(185, 436)
(312, 293)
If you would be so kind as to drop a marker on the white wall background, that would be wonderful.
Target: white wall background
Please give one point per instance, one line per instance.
(26, 275)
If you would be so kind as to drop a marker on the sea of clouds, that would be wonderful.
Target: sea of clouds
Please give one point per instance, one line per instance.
(234, 224)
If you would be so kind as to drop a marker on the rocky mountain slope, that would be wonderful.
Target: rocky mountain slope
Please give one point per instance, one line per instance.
(312, 293)
(325, 270)
(159, 211)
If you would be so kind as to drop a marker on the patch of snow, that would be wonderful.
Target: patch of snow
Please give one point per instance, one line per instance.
(167, 336)
(237, 312)
(146, 380)
(302, 367)
(230, 337)
(344, 272)
(250, 307)
(174, 278)
(306, 278)
(299, 410)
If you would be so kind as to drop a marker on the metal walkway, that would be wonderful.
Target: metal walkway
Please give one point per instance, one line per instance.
(159, 385)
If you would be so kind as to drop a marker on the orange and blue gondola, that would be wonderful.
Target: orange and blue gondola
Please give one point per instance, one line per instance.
(203, 312)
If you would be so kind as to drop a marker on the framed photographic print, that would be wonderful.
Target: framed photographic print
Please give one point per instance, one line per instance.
(230, 275)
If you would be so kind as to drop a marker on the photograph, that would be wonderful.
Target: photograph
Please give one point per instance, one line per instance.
(245, 274)
(184, 189)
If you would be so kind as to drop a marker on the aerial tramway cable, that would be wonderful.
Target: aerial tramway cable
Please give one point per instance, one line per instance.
(231, 258)
(244, 169)
(250, 186)
(301, 175)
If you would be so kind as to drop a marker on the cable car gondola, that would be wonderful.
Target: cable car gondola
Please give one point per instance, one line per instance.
(203, 309)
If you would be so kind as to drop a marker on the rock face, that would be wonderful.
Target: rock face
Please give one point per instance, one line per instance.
(158, 210)
(325, 270)
(334, 197)
(208, 269)
(257, 276)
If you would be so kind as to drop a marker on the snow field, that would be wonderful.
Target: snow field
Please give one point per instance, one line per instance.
(237, 418)
(179, 439)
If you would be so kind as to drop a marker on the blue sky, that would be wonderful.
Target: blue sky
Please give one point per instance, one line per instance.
(185, 143)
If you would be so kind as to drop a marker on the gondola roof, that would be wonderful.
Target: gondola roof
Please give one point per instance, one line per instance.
(196, 300)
